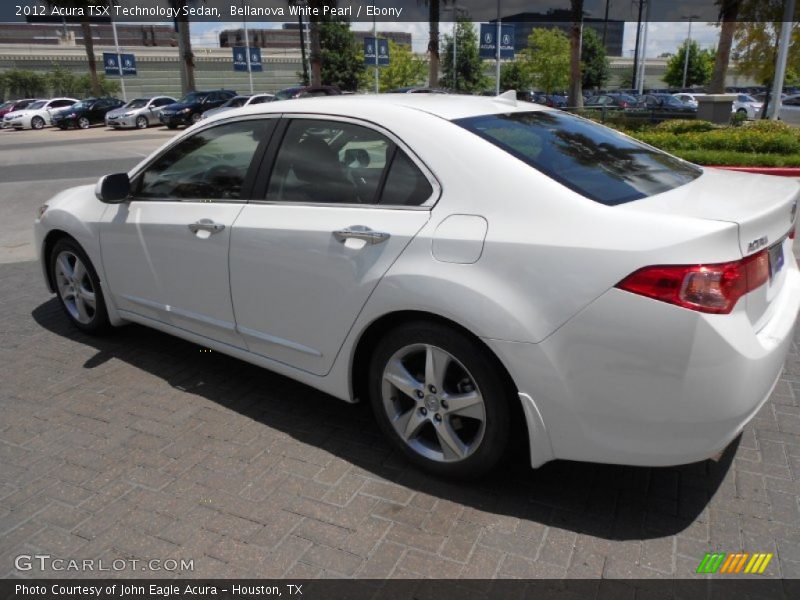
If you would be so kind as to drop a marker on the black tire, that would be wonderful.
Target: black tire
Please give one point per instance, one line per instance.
(195, 118)
(742, 111)
(141, 122)
(170, 126)
(37, 123)
(98, 323)
(481, 369)
(84, 123)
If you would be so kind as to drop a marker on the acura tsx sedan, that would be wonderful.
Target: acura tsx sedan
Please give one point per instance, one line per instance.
(466, 265)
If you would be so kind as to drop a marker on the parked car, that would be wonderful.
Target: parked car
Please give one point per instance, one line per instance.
(748, 106)
(666, 106)
(85, 113)
(417, 90)
(307, 92)
(139, 112)
(13, 105)
(790, 110)
(238, 102)
(190, 108)
(688, 98)
(637, 309)
(37, 114)
(611, 101)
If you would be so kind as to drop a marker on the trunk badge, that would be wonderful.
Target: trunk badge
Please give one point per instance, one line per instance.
(756, 244)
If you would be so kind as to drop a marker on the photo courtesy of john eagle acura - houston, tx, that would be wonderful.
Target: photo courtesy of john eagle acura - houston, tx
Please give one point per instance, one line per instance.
(470, 266)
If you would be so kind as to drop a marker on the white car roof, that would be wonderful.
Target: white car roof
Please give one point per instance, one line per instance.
(446, 106)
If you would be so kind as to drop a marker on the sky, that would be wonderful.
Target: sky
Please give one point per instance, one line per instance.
(661, 37)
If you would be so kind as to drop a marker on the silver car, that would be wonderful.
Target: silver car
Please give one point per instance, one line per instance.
(238, 102)
(139, 112)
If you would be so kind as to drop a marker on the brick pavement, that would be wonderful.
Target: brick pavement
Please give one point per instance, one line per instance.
(139, 445)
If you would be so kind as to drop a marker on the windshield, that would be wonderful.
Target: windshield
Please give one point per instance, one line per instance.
(236, 101)
(595, 161)
(137, 103)
(746, 98)
(192, 98)
(38, 104)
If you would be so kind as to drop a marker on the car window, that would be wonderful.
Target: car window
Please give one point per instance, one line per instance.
(329, 161)
(61, 103)
(260, 99)
(210, 165)
(588, 158)
(405, 184)
(162, 101)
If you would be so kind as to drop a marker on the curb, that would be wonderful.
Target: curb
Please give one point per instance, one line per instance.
(779, 171)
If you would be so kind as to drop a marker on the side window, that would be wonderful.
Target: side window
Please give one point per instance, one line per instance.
(329, 161)
(210, 165)
(405, 185)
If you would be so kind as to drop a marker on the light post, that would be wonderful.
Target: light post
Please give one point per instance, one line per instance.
(455, 8)
(119, 57)
(247, 50)
(688, 45)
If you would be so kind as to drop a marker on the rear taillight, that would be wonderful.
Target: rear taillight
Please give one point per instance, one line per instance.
(793, 232)
(705, 288)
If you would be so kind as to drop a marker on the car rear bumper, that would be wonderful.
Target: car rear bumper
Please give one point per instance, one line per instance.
(631, 380)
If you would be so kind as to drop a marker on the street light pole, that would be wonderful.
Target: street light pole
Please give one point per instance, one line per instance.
(247, 50)
(119, 59)
(780, 64)
(688, 45)
(497, 53)
(375, 39)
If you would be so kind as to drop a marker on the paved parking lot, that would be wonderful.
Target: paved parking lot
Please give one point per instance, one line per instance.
(139, 445)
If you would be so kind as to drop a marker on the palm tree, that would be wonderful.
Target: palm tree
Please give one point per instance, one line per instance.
(433, 40)
(86, 32)
(728, 13)
(185, 47)
(575, 77)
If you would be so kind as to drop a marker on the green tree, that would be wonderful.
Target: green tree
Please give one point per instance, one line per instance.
(24, 84)
(701, 64)
(756, 41)
(469, 75)
(63, 82)
(548, 59)
(404, 69)
(342, 58)
(515, 75)
(595, 67)
(86, 32)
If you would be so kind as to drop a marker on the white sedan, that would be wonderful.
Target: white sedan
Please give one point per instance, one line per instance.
(470, 266)
(37, 114)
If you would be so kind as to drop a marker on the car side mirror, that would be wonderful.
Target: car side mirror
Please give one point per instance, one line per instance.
(113, 189)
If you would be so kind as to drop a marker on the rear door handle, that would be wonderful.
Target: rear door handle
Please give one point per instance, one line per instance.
(206, 225)
(361, 232)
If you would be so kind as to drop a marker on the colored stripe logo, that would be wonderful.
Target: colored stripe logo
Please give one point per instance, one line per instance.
(737, 562)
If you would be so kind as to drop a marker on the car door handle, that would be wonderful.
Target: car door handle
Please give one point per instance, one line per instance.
(206, 225)
(361, 232)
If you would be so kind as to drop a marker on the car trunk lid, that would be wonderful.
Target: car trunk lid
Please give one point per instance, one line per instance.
(763, 207)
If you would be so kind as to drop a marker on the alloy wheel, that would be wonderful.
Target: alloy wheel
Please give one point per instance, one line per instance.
(433, 403)
(83, 123)
(141, 122)
(75, 287)
(37, 122)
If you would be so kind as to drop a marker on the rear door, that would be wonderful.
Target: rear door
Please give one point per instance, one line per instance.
(342, 201)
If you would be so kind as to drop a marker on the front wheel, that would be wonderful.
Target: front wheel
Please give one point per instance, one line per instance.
(78, 287)
(141, 122)
(37, 123)
(83, 123)
(196, 118)
(439, 398)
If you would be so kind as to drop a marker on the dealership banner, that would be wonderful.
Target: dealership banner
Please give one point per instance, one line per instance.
(488, 46)
(240, 59)
(369, 51)
(112, 61)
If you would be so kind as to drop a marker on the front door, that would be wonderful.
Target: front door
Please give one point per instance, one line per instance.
(342, 203)
(165, 252)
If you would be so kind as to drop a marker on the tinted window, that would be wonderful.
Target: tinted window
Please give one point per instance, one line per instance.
(210, 165)
(588, 158)
(405, 184)
(61, 103)
(329, 161)
(162, 102)
(261, 99)
(37, 105)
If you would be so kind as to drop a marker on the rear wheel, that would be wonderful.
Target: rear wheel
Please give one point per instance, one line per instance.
(141, 122)
(438, 398)
(83, 123)
(37, 122)
(78, 287)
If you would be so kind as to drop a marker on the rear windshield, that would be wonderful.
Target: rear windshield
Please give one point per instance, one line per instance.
(593, 160)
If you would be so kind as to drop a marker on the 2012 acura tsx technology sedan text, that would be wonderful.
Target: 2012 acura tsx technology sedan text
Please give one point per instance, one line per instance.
(464, 264)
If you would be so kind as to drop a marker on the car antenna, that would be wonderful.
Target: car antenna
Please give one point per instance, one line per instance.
(508, 97)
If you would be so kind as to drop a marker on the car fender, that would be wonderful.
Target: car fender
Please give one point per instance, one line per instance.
(78, 213)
